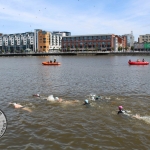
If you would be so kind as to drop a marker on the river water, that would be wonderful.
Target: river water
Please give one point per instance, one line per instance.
(72, 126)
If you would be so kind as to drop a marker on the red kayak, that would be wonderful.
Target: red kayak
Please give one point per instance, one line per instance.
(51, 63)
(138, 62)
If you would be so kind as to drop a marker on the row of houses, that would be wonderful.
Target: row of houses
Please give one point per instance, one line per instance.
(46, 41)
(37, 41)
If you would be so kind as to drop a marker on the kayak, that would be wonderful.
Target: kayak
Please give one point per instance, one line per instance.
(51, 63)
(138, 62)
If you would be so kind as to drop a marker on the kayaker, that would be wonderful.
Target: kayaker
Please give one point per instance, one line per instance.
(138, 60)
(143, 60)
(129, 60)
(54, 60)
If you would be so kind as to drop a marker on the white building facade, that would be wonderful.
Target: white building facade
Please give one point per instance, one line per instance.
(130, 40)
(18, 42)
(55, 39)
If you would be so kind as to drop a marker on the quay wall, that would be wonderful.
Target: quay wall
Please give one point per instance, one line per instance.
(78, 54)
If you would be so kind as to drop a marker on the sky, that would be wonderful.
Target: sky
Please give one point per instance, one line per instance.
(80, 17)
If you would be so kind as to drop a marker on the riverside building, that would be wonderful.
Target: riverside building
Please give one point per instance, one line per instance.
(18, 42)
(145, 46)
(56, 38)
(130, 40)
(144, 38)
(46, 41)
(95, 42)
(37, 41)
(143, 43)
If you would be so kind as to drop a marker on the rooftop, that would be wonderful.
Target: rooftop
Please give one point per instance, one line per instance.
(90, 35)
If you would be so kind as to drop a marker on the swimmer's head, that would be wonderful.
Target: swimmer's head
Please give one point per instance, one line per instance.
(56, 98)
(38, 94)
(93, 98)
(120, 107)
(86, 101)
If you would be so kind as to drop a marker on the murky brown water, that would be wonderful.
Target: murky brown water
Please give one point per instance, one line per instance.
(75, 126)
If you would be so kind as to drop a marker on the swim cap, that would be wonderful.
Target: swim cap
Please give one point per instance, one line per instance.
(56, 98)
(51, 98)
(120, 107)
(86, 101)
(93, 98)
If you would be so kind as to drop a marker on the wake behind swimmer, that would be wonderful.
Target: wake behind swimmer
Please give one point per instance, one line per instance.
(137, 116)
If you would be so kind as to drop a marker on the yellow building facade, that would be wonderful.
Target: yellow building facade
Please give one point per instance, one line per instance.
(43, 41)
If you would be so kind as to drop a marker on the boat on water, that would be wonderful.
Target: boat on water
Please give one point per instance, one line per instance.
(138, 62)
(51, 63)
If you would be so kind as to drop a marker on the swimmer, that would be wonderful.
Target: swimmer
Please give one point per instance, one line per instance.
(94, 97)
(121, 110)
(36, 95)
(58, 99)
(17, 106)
(86, 102)
(97, 97)
(52, 99)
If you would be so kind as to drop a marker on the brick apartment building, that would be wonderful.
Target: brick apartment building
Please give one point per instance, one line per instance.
(98, 42)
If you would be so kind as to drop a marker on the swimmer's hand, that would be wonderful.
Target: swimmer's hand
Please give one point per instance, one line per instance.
(136, 116)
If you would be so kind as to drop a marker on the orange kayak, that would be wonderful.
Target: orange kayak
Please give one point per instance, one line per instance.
(51, 63)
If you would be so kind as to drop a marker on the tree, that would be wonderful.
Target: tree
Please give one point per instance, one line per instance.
(132, 47)
(119, 48)
(112, 48)
(96, 48)
(68, 48)
(77, 49)
(126, 48)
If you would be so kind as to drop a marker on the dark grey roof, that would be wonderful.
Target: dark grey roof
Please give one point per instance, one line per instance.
(89, 35)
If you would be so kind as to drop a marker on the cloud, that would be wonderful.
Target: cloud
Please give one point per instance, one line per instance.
(78, 17)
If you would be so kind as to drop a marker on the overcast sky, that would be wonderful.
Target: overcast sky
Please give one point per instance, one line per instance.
(79, 17)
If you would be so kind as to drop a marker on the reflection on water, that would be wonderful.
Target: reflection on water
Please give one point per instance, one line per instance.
(69, 125)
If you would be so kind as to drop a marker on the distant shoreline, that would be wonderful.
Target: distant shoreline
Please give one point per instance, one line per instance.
(77, 54)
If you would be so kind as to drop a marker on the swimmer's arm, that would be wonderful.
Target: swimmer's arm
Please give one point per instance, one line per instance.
(27, 109)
